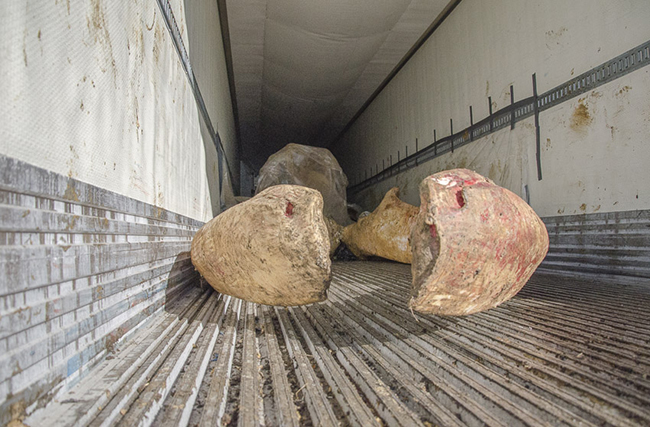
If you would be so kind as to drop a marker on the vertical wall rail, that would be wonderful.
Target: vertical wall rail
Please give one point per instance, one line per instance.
(538, 154)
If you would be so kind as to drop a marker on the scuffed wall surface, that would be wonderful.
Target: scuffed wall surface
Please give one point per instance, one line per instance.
(596, 151)
(106, 173)
(612, 243)
(478, 52)
(80, 267)
(94, 90)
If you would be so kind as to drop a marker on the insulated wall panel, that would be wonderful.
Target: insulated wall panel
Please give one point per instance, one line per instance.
(207, 54)
(593, 148)
(94, 90)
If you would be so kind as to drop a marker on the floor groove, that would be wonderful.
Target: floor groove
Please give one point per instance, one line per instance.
(564, 351)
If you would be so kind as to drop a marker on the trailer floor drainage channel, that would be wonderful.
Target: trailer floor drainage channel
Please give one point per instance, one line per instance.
(564, 351)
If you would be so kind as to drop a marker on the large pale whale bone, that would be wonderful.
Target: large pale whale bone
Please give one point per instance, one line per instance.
(475, 244)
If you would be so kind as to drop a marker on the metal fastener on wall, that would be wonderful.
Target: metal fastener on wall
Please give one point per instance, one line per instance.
(451, 135)
(471, 123)
(512, 101)
(537, 131)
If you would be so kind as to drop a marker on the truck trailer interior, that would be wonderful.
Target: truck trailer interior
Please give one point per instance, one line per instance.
(127, 125)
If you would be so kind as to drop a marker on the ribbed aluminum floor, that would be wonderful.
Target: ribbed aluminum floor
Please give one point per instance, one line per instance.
(564, 351)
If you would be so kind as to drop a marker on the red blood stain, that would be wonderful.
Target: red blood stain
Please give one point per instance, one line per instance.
(433, 231)
(459, 198)
(289, 211)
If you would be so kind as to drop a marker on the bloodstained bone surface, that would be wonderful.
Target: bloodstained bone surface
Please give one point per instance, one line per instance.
(475, 244)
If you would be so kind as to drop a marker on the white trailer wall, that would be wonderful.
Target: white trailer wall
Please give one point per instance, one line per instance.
(207, 54)
(106, 172)
(95, 90)
(595, 148)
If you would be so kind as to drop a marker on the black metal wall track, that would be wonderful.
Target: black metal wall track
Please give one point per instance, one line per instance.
(175, 33)
(619, 66)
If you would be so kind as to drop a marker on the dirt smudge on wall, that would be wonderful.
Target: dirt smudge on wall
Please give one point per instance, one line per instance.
(624, 90)
(159, 38)
(554, 37)
(97, 27)
(581, 118)
(493, 172)
(25, 47)
(70, 192)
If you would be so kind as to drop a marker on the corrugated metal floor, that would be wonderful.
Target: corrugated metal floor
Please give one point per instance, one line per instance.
(563, 351)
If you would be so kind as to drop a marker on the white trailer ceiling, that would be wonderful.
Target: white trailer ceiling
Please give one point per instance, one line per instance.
(303, 69)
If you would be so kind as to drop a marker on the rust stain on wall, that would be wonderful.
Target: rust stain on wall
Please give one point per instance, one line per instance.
(71, 223)
(71, 193)
(624, 90)
(581, 118)
(160, 196)
(17, 414)
(96, 23)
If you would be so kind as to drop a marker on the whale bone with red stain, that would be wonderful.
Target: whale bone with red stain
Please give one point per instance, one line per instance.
(475, 244)
(271, 249)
